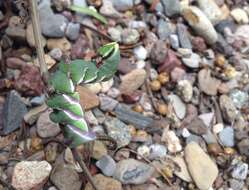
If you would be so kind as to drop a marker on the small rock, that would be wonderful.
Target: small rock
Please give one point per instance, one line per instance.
(177, 74)
(240, 171)
(62, 43)
(207, 118)
(64, 177)
(107, 9)
(239, 98)
(140, 53)
(104, 183)
(197, 126)
(88, 100)
(38, 100)
(236, 184)
(99, 150)
(123, 5)
(56, 54)
(118, 130)
(30, 174)
(158, 52)
(94, 87)
(34, 113)
(207, 83)
(240, 16)
(131, 171)
(227, 137)
(193, 61)
(178, 105)
(157, 151)
(218, 128)
(13, 110)
(243, 146)
(107, 103)
(171, 7)
(73, 30)
(107, 165)
(30, 37)
(172, 141)
(132, 81)
(113, 92)
(106, 85)
(198, 162)
(115, 33)
(183, 172)
(163, 29)
(211, 10)
(200, 23)
(130, 36)
(16, 33)
(45, 127)
(143, 150)
(185, 90)
(228, 109)
(174, 41)
(183, 36)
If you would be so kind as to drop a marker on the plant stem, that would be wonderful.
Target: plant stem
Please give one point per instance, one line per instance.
(84, 168)
(38, 41)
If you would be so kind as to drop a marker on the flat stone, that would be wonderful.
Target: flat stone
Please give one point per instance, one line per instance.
(131, 171)
(118, 130)
(99, 150)
(107, 165)
(228, 109)
(45, 127)
(107, 103)
(240, 171)
(73, 31)
(171, 7)
(132, 81)
(207, 83)
(30, 37)
(193, 61)
(197, 126)
(13, 110)
(183, 173)
(183, 36)
(62, 43)
(28, 175)
(64, 177)
(226, 137)
(200, 23)
(178, 105)
(201, 168)
(128, 116)
(88, 99)
(163, 29)
(104, 183)
(172, 141)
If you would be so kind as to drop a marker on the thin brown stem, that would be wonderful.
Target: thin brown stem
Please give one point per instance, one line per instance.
(38, 41)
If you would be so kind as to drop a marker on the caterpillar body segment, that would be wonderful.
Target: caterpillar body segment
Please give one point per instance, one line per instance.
(65, 103)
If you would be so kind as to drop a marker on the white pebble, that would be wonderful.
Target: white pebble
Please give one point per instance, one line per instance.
(140, 53)
(185, 133)
(218, 128)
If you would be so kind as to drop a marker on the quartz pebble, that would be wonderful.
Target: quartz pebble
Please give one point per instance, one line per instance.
(185, 90)
(240, 16)
(172, 141)
(140, 53)
(240, 171)
(178, 105)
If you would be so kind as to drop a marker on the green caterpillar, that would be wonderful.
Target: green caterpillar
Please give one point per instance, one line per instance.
(65, 100)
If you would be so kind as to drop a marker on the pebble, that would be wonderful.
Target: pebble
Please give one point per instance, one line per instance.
(207, 118)
(131, 171)
(62, 43)
(99, 150)
(157, 151)
(13, 110)
(94, 87)
(185, 133)
(183, 36)
(193, 61)
(107, 9)
(183, 172)
(107, 103)
(211, 10)
(56, 53)
(198, 162)
(197, 126)
(243, 147)
(226, 137)
(88, 99)
(240, 171)
(240, 16)
(123, 5)
(143, 150)
(16, 33)
(236, 184)
(115, 33)
(38, 100)
(106, 85)
(130, 36)
(177, 74)
(178, 105)
(172, 141)
(73, 31)
(200, 23)
(239, 98)
(174, 41)
(138, 120)
(158, 52)
(33, 114)
(132, 81)
(140, 53)
(163, 29)
(30, 37)
(218, 128)
(185, 90)
(118, 130)
(64, 177)
(45, 127)
(107, 165)
(228, 109)
(171, 7)
(207, 83)
(104, 183)
(30, 174)
(113, 92)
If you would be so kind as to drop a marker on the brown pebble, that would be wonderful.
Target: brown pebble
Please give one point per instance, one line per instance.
(162, 109)
(138, 108)
(36, 144)
(163, 78)
(229, 151)
(220, 60)
(155, 85)
(214, 149)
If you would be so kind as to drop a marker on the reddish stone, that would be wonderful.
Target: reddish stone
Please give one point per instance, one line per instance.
(177, 74)
(171, 61)
(30, 81)
(199, 44)
(80, 47)
(125, 66)
(15, 63)
(132, 97)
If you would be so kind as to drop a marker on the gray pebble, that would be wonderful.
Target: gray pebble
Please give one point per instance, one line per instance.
(73, 30)
(107, 165)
